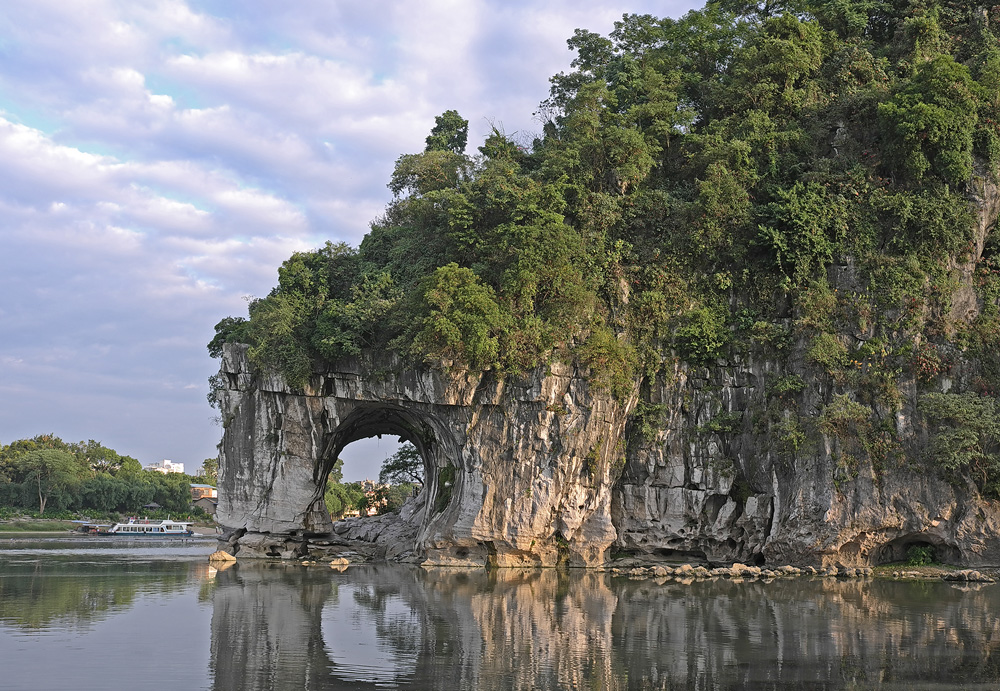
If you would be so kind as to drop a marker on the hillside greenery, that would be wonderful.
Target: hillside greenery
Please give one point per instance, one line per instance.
(794, 177)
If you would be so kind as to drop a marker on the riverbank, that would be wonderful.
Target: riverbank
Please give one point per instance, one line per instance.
(35, 525)
(55, 525)
(897, 572)
(353, 553)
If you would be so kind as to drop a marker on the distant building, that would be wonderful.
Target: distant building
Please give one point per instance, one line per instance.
(207, 491)
(376, 500)
(166, 466)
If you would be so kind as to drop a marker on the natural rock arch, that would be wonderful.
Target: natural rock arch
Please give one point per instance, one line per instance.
(527, 464)
(539, 470)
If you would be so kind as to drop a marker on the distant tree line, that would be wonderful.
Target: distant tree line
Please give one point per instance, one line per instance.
(45, 473)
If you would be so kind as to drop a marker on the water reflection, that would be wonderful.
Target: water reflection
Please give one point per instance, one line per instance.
(290, 627)
(282, 626)
(75, 583)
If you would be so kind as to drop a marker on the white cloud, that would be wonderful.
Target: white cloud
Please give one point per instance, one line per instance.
(159, 160)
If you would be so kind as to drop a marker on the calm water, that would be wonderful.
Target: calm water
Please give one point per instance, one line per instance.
(79, 613)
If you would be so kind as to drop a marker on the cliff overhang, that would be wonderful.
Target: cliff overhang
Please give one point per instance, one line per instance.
(545, 470)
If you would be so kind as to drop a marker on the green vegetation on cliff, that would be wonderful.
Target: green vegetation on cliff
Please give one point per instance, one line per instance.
(801, 180)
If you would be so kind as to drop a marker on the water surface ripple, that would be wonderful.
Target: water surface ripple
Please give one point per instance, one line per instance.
(93, 614)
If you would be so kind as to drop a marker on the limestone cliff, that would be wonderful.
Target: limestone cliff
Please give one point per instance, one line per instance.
(517, 471)
(545, 469)
(775, 243)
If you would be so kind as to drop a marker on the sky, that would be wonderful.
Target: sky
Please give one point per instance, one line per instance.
(159, 159)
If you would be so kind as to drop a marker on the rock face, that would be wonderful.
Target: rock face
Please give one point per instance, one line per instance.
(517, 472)
(719, 482)
(545, 470)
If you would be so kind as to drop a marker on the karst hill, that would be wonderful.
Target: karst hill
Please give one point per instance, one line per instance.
(738, 300)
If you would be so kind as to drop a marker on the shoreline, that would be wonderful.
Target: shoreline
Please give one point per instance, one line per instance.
(630, 568)
(58, 526)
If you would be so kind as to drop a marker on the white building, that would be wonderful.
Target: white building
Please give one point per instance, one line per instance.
(166, 466)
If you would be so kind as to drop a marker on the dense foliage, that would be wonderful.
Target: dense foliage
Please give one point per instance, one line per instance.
(365, 498)
(45, 474)
(751, 175)
(404, 466)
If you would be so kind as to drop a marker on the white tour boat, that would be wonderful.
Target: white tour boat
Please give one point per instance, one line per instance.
(148, 528)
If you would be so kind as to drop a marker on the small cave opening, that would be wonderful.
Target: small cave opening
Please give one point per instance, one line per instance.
(679, 556)
(713, 506)
(917, 550)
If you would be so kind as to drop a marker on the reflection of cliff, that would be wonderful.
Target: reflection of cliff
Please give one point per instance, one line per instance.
(265, 628)
(289, 627)
(800, 632)
(35, 595)
(547, 629)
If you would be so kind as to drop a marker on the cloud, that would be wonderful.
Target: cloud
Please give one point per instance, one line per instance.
(160, 159)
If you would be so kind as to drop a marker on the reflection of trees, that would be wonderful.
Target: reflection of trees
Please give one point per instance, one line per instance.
(36, 595)
(513, 629)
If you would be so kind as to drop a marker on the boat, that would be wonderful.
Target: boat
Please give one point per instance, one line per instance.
(88, 528)
(148, 528)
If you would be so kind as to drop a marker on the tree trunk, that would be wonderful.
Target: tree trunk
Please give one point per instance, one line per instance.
(41, 498)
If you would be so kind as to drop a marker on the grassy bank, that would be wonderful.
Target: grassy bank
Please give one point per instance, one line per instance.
(35, 525)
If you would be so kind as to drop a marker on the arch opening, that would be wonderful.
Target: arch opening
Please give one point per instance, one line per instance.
(363, 459)
(380, 420)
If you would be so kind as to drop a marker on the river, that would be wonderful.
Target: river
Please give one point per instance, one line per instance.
(87, 613)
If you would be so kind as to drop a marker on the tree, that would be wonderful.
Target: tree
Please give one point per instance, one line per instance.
(450, 133)
(129, 468)
(342, 498)
(50, 471)
(172, 491)
(388, 498)
(105, 493)
(406, 465)
(462, 319)
(430, 171)
(346, 327)
(762, 10)
(210, 470)
(930, 123)
(97, 457)
(228, 330)
(965, 436)
(336, 472)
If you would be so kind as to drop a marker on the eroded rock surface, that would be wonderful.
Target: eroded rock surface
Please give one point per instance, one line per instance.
(545, 470)
(517, 472)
